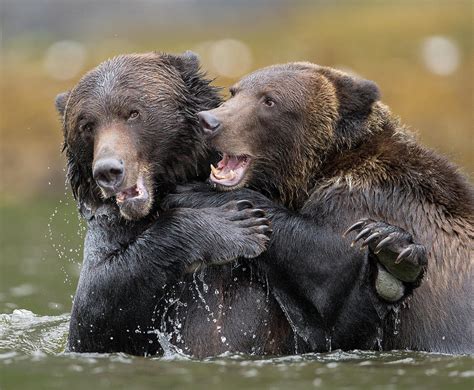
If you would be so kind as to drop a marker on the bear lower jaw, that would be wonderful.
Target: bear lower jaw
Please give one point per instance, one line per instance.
(134, 202)
(135, 209)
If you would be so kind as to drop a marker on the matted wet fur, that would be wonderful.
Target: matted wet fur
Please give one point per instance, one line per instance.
(131, 135)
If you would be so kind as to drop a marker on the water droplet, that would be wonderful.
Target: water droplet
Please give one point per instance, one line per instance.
(396, 320)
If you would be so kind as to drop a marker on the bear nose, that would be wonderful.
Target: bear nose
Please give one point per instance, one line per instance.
(209, 122)
(108, 173)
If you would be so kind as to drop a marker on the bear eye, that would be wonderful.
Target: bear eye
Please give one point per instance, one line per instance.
(269, 102)
(134, 114)
(87, 127)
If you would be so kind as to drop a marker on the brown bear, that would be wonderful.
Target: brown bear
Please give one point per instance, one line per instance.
(149, 275)
(321, 143)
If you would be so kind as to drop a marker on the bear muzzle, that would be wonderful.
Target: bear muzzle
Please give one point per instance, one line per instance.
(109, 174)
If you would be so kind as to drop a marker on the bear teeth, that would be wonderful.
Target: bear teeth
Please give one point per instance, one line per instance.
(129, 193)
(219, 175)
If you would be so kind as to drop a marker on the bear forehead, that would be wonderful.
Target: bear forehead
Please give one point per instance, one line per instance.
(128, 72)
(144, 75)
(292, 75)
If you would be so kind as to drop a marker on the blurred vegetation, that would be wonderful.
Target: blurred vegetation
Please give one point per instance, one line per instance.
(378, 40)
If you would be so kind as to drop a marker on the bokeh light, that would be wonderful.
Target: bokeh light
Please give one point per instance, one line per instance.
(229, 58)
(64, 60)
(440, 55)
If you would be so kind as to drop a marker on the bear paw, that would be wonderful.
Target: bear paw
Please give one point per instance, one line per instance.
(245, 231)
(393, 247)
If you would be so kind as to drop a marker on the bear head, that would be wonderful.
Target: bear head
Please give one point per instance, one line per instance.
(281, 125)
(131, 131)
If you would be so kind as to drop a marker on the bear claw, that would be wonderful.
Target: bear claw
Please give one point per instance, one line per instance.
(383, 243)
(355, 226)
(393, 247)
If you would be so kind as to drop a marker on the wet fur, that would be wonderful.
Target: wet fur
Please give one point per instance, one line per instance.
(345, 156)
(305, 309)
(394, 179)
(130, 267)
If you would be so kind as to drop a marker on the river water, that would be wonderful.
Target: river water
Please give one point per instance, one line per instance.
(40, 260)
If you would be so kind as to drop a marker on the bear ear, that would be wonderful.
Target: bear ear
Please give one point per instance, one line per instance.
(191, 59)
(187, 63)
(61, 101)
(355, 95)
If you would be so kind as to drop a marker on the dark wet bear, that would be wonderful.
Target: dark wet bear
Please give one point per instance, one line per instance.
(320, 142)
(132, 135)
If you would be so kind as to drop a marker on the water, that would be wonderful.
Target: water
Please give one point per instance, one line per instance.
(37, 281)
(31, 357)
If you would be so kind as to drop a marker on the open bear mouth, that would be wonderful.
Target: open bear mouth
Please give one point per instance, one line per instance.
(135, 193)
(230, 169)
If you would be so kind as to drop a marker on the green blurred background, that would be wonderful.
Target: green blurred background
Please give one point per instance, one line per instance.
(420, 53)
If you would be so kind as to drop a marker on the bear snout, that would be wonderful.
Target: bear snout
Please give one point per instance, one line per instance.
(209, 122)
(109, 174)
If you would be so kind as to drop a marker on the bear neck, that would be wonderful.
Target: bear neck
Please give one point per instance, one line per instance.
(318, 162)
(381, 131)
(304, 165)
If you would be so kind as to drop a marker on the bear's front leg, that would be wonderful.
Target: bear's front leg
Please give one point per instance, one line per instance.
(202, 195)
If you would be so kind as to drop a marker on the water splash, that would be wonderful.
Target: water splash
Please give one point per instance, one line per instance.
(201, 275)
(200, 295)
(60, 241)
(328, 342)
(396, 320)
(170, 351)
(23, 331)
(379, 338)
